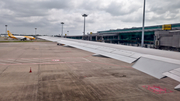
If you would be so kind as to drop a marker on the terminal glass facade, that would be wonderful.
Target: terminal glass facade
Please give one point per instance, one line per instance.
(136, 36)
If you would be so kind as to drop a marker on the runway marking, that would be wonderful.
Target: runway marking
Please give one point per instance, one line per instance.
(55, 59)
(157, 89)
(86, 59)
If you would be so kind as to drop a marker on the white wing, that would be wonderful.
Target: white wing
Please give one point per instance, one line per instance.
(157, 63)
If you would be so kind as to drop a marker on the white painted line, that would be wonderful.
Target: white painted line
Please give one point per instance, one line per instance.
(86, 59)
(56, 60)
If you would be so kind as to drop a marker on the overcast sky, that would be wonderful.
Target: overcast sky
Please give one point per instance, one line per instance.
(23, 16)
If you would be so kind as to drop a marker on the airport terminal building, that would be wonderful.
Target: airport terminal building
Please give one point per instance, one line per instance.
(130, 36)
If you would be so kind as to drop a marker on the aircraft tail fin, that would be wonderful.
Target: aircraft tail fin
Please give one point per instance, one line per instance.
(9, 33)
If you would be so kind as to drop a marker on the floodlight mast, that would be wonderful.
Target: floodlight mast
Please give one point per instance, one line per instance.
(62, 29)
(84, 15)
(6, 29)
(142, 39)
(35, 30)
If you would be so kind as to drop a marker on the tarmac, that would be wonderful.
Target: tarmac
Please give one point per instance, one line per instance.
(62, 73)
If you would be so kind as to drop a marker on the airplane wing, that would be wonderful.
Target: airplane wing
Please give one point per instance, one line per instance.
(157, 63)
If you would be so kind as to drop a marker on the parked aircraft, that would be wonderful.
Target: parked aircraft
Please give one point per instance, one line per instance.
(22, 38)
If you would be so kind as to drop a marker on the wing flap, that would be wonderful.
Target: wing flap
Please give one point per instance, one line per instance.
(174, 74)
(153, 67)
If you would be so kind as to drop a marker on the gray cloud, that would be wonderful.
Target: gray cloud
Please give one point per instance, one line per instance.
(26, 9)
(120, 9)
(163, 6)
(23, 16)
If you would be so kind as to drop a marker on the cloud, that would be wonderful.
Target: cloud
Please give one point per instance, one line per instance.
(163, 6)
(22, 16)
(121, 8)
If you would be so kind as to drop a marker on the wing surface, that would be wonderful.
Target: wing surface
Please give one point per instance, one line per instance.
(157, 63)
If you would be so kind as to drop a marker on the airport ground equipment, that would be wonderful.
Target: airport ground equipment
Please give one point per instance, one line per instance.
(167, 40)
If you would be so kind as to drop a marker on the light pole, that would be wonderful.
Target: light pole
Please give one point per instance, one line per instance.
(84, 15)
(142, 39)
(6, 29)
(62, 29)
(35, 30)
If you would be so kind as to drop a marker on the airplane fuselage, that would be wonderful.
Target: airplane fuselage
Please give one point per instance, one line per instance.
(20, 37)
